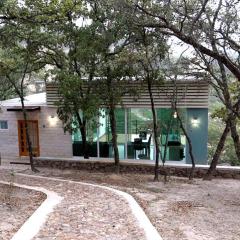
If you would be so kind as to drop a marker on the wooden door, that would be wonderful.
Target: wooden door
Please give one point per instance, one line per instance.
(34, 137)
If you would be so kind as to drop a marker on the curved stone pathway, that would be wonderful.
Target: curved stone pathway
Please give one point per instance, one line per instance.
(86, 212)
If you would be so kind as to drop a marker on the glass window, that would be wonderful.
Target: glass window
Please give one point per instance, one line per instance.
(3, 124)
(91, 129)
(172, 139)
(139, 133)
(136, 134)
(105, 136)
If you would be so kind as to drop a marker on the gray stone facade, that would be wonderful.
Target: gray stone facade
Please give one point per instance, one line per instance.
(52, 139)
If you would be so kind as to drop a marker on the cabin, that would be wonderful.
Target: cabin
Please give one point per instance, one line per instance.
(134, 126)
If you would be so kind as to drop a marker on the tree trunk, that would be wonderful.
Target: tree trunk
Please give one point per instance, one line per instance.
(156, 169)
(218, 152)
(114, 137)
(82, 126)
(165, 172)
(191, 174)
(232, 116)
(166, 142)
(29, 143)
(235, 137)
(84, 141)
(155, 131)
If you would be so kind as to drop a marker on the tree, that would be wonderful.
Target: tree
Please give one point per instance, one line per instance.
(68, 48)
(193, 22)
(20, 55)
(179, 118)
(226, 89)
(115, 67)
(210, 27)
(174, 71)
(93, 57)
(149, 57)
(16, 65)
(77, 106)
(216, 128)
(78, 102)
(115, 73)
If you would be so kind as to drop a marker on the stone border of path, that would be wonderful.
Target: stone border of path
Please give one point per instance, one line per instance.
(33, 224)
(143, 221)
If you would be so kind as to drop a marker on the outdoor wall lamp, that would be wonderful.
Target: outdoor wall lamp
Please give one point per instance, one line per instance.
(175, 115)
(52, 120)
(195, 122)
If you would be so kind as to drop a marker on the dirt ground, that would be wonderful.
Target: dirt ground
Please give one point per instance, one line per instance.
(16, 206)
(179, 209)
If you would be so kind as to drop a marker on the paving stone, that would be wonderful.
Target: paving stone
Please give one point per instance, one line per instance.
(85, 213)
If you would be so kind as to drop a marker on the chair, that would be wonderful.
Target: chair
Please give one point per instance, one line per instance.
(137, 146)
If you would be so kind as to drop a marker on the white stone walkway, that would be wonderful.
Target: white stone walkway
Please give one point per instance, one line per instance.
(89, 212)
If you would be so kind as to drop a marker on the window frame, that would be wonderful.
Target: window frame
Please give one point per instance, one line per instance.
(4, 129)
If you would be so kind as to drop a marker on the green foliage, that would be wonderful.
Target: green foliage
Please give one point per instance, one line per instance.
(220, 113)
(6, 89)
(21, 47)
(74, 73)
(73, 99)
(234, 89)
(116, 59)
(216, 127)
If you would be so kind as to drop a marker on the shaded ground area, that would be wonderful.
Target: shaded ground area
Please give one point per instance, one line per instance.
(180, 210)
(86, 212)
(16, 206)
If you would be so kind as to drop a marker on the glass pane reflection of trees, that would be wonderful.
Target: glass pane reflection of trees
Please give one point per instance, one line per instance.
(135, 135)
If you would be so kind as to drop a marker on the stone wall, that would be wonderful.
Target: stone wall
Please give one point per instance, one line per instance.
(180, 171)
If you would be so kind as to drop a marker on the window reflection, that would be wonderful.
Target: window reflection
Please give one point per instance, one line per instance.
(135, 135)
(105, 136)
(92, 138)
(172, 139)
(139, 134)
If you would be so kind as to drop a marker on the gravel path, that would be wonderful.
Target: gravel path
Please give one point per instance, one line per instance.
(86, 212)
(16, 206)
(179, 209)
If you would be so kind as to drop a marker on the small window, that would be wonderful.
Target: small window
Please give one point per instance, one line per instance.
(3, 124)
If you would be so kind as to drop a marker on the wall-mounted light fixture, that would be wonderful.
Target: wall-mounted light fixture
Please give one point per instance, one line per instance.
(195, 122)
(52, 120)
(175, 114)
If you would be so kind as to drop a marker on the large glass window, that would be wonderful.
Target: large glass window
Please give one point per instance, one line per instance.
(139, 133)
(91, 129)
(171, 137)
(120, 122)
(105, 136)
(134, 135)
